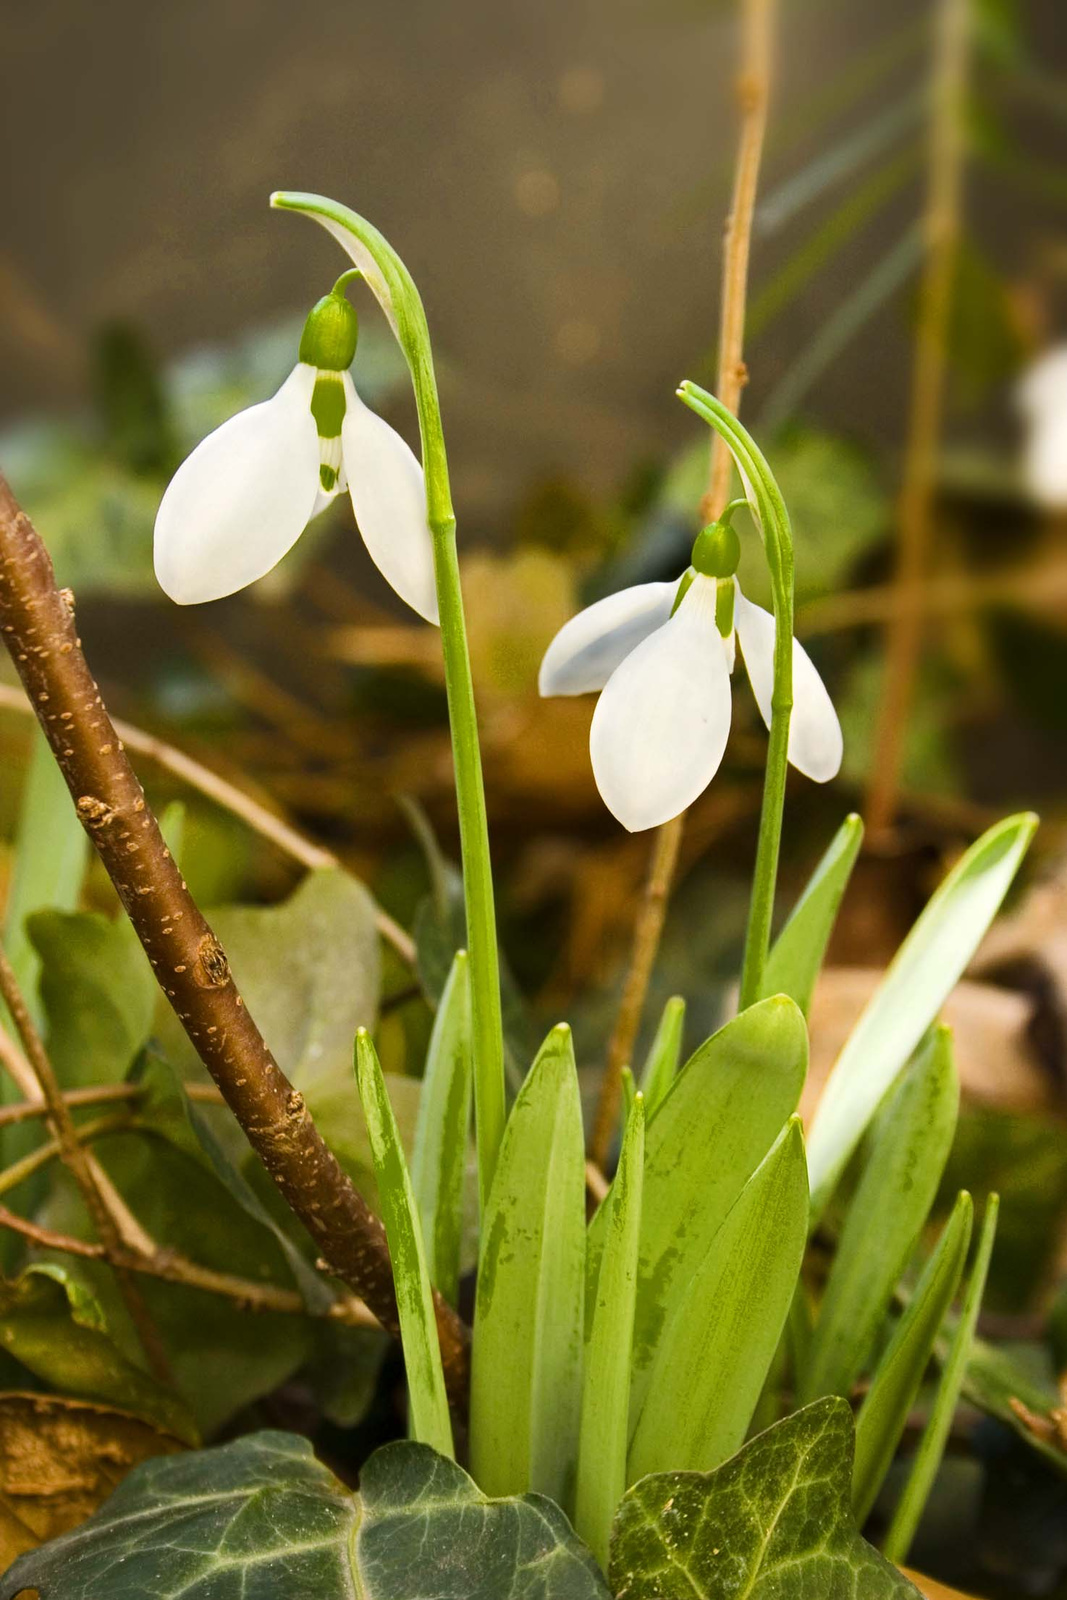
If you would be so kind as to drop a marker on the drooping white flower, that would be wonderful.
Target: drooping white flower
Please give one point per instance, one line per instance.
(663, 665)
(1042, 397)
(245, 495)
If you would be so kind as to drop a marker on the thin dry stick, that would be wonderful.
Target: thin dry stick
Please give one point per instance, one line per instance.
(37, 626)
(174, 1268)
(94, 1095)
(753, 92)
(76, 1159)
(234, 800)
(35, 1160)
(942, 225)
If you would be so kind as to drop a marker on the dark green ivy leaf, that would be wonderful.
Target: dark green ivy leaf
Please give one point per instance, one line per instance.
(772, 1523)
(261, 1518)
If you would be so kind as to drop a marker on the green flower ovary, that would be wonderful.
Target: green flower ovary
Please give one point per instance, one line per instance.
(331, 332)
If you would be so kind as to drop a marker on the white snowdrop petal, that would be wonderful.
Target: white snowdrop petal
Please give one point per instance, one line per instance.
(1042, 390)
(1045, 461)
(660, 727)
(815, 745)
(242, 499)
(588, 648)
(389, 499)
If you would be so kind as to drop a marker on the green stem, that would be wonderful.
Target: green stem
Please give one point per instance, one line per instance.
(765, 875)
(764, 498)
(486, 1022)
(393, 286)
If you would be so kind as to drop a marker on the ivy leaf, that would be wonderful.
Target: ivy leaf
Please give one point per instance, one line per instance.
(54, 1325)
(97, 991)
(262, 1517)
(772, 1523)
(308, 969)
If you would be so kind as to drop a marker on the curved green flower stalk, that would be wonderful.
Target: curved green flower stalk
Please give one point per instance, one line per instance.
(766, 501)
(392, 285)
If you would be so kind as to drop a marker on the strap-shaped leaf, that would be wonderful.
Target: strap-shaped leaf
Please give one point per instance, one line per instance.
(526, 1362)
(773, 1523)
(719, 1119)
(606, 1385)
(909, 1508)
(442, 1132)
(919, 980)
(912, 1139)
(712, 1357)
(895, 1384)
(796, 957)
(665, 1054)
(427, 1398)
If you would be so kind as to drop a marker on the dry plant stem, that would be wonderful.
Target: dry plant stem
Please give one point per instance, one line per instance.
(753, 92)
(647, 930)
(76, 1158)
(234, 800)
(942, 225)
(173, 1268)
(37, 625)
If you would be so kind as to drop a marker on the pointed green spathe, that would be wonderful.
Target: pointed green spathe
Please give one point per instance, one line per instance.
(526, 1361)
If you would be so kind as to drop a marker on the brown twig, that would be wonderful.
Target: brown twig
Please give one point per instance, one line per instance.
(37, 625)
(173, 1268)
(753, 92)
(93, 1095)
(76, 1158)
(27, 1165)
(234, 800)
(942, 226)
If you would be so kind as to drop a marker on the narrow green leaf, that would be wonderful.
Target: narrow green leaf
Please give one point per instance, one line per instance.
(526, 1362)
(912, 1139)
(442, 1132)
(665, 1054)
(910, 1506)
(919, 980)
(430, 1421)
(710, 1133)
(773, 1523)
(51, 852)
(606, 1386)
(796, 956)
(713, 1356)
(629, 1093)
(895, 1384)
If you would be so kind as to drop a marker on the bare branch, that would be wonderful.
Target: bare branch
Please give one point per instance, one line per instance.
(174, 1268)
(37, 625)
(76, 1158)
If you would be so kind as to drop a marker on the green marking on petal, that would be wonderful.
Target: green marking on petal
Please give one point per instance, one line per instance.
(684, 583)
(327, 477)
(328, 405)
(724, 606)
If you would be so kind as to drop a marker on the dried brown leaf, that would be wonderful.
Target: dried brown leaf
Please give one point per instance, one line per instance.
(59, 1460)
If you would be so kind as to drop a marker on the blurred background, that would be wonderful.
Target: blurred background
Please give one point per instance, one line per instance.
(557, 178)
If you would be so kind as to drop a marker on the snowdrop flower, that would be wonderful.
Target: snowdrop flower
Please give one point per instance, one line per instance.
(662, 654)
(1042, 397)
(245, 495)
